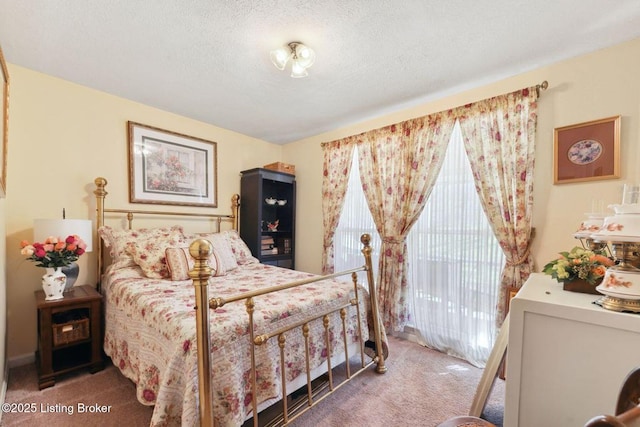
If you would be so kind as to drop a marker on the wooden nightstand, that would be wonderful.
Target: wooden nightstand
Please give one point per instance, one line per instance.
(69, 334)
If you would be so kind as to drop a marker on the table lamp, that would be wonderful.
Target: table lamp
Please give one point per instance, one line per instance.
(621, 283)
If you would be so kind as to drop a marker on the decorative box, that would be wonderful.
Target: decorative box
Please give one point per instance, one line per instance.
(281, 167)
(582, 286)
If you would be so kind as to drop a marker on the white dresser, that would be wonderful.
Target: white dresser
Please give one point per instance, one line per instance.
(566, 357)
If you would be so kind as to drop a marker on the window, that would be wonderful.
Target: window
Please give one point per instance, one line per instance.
(455, 261)
(354, 221)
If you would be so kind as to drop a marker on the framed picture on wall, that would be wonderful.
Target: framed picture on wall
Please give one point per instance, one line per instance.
(4, 123)
(587, 151)
(169, 168)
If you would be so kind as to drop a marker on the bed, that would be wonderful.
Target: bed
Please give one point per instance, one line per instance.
(272, 333)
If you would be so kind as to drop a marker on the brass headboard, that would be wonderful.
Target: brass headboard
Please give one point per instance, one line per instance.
(101, 193)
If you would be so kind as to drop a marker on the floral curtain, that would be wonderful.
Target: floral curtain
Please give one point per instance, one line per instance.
(337, 165)
(398, 168)
(499, 138)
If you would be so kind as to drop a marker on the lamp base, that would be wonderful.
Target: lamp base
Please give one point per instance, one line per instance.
(619, 304)
(71, 271)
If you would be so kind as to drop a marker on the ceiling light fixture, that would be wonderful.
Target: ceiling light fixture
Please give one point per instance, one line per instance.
(301, 56)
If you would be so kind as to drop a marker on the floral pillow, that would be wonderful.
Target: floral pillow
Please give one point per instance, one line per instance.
(180, 262)
(239, 248)
(221, 247)
(117, 241)
(149, 253)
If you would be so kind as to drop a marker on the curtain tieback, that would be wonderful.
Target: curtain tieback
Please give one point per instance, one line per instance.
(393, 240)
(520, 261)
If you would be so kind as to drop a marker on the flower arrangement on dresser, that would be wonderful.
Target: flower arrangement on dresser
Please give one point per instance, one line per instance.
(579, 269)
(53, 254)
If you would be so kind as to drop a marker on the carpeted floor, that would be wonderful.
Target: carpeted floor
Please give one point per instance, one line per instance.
(422, 387)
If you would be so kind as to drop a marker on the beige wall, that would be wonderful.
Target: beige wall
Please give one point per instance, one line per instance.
(62, 136)
(3, 302)
(602, 84)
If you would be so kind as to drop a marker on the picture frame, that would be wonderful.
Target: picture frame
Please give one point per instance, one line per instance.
(587, 151)
(4, 123)
(170, 168)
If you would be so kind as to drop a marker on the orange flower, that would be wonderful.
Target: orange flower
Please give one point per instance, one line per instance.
(602, 260)
(599, 270)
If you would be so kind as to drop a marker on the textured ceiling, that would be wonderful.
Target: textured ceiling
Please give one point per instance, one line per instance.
(209, 60)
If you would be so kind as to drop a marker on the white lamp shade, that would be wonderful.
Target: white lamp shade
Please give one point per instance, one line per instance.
(43, 228)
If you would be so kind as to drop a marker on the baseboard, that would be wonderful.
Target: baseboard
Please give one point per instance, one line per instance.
(22, 360)
(411, 334)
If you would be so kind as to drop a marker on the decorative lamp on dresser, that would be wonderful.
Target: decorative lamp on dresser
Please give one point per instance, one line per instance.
(267, 215)
(69, 334)
(567, 356)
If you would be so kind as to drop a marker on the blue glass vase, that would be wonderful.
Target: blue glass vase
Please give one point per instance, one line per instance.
(71, 271)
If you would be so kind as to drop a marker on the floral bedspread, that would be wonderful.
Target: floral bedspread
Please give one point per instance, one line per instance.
(151, 336)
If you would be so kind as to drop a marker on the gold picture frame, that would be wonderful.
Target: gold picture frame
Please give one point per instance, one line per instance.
(170, 168)
(4, 123)
(587, 151)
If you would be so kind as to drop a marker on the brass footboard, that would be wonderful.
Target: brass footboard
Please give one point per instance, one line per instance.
(200, 250)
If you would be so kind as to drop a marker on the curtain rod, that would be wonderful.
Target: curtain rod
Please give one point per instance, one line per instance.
(541, 86)
(544, 85)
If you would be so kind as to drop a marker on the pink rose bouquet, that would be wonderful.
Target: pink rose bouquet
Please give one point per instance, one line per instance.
(54, 251)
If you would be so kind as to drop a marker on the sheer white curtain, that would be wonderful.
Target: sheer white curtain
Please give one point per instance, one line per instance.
(454, 259)
(354, 221)
(455, 273)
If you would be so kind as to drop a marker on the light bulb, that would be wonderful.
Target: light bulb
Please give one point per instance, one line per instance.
(305, 56)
